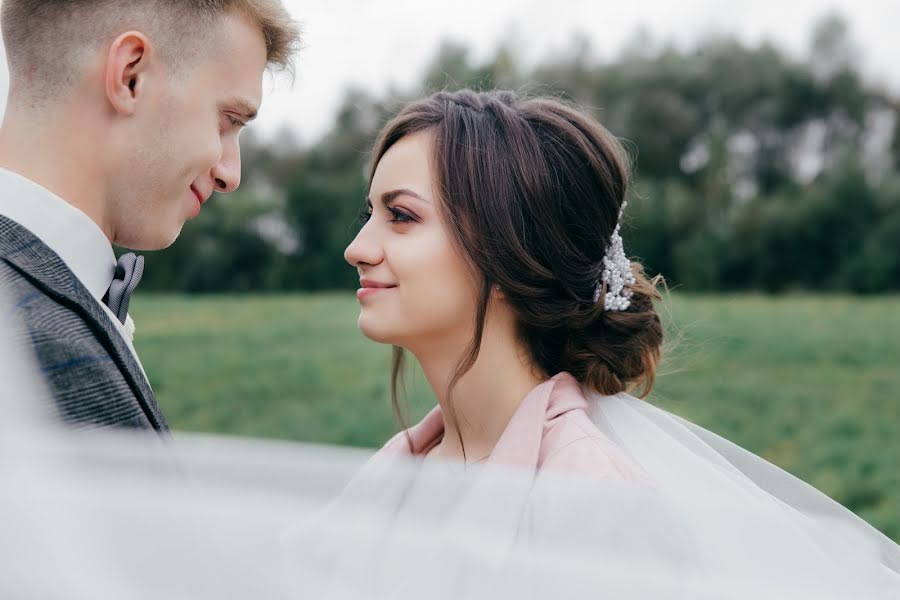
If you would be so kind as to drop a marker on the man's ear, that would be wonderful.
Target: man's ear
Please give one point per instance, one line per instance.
(127, 65)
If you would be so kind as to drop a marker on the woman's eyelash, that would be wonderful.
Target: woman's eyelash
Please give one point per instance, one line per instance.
(397, 216)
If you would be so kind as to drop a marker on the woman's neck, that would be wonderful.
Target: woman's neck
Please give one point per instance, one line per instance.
(484, 399)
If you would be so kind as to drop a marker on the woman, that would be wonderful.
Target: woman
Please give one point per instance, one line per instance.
(491, 250)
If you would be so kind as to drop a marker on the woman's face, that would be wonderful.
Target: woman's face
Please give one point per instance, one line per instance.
(415, 288)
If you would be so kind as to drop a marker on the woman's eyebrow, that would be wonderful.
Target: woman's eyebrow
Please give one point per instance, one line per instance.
(389, 197)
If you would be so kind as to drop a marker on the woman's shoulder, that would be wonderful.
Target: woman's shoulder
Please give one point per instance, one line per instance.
(571, 442)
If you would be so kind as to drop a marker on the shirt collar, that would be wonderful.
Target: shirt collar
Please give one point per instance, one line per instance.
(74, 236)
(520, 443)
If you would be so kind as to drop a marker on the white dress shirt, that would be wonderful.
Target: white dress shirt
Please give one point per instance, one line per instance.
(74, 236)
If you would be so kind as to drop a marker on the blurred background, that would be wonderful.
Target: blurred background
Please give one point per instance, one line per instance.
(766, 138)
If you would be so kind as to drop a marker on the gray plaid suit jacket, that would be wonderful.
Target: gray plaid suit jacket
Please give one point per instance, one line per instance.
(93, 377)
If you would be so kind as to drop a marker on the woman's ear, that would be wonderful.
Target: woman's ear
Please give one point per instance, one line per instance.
(126, 69)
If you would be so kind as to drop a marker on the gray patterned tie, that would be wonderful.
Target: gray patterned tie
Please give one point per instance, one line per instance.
(128, 275)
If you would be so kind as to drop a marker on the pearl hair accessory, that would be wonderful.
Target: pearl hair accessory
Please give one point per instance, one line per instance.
(616, 273)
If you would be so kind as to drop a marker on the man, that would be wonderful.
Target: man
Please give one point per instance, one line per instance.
(122, 120)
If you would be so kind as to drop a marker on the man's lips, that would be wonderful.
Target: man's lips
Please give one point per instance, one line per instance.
(198, 195)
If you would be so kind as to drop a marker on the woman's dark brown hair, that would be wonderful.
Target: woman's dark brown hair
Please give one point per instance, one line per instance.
(531, 191)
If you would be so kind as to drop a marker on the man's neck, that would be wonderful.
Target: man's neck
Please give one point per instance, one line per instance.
(59, 162)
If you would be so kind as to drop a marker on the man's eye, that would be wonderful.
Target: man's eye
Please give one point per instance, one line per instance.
(233, 121)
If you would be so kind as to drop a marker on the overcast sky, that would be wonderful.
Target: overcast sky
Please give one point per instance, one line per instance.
(373, 44)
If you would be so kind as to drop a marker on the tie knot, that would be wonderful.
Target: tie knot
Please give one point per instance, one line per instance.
(129, 270)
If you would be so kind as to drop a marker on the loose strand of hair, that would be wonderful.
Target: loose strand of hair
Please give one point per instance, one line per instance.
(398, 391)
(470, 355)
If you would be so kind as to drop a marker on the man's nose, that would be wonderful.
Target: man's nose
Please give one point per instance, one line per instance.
(226, 173)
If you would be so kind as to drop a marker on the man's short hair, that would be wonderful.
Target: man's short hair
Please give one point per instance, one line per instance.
(46, 40)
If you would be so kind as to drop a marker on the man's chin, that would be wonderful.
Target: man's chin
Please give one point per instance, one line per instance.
(148, 241)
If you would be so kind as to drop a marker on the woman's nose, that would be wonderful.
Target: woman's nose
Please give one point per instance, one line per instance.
(365, 248)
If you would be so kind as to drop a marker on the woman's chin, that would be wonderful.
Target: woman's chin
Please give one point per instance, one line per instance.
(376, 333)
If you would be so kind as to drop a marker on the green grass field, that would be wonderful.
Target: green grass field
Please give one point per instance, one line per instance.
(810, 383)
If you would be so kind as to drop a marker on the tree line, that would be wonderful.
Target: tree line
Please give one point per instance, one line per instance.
(754, 170)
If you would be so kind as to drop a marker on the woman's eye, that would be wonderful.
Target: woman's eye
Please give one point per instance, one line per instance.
(399, 216)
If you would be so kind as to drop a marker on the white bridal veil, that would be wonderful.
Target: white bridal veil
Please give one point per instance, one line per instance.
(99, 515)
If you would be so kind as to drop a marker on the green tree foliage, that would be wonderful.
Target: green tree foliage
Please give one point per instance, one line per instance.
(754, 170)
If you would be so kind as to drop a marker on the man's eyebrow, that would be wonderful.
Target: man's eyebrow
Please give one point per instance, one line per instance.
(245, 107)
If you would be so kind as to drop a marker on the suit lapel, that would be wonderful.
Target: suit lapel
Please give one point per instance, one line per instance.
(40, 265)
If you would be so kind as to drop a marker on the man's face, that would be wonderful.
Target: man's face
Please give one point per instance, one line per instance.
(185, 142)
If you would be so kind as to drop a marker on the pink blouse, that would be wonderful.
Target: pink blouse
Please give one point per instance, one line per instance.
(550, 430)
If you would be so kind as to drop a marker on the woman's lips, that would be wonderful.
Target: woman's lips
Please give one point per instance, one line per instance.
(370, 288)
